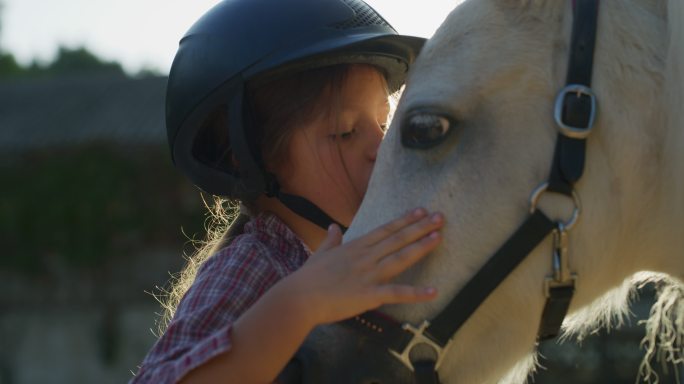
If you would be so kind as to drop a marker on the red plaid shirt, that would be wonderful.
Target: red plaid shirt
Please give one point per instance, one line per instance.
(226, 285)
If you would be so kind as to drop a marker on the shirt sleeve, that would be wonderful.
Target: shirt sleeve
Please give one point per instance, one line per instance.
(226, 285)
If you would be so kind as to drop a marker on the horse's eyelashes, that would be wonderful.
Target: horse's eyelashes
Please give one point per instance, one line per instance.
(425, 130)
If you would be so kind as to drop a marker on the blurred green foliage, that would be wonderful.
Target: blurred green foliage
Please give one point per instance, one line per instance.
(89, 204)
(67, 61)
(9, 66)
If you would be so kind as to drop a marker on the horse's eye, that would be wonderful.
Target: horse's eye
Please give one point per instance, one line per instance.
(424, 130)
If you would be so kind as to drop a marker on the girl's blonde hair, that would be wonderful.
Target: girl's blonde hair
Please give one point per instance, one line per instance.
(222, 224)
(276, 110)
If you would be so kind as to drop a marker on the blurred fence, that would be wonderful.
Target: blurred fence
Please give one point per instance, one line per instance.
(93, 218)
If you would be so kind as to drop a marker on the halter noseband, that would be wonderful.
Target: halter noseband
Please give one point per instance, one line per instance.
(574, 113)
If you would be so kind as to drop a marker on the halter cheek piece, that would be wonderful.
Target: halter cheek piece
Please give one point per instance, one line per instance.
(574, 113)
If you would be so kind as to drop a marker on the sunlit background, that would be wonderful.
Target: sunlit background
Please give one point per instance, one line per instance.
(93, 217)
(144, 33)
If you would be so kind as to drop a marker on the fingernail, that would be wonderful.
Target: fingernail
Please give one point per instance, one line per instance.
(434, 235)
(430, 291)
(418, 212)
(436, 218)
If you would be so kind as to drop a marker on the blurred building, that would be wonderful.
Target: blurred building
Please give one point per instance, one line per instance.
(92, 216)
(74, 110)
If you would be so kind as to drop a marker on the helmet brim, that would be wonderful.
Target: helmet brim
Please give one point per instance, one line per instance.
(392, 53)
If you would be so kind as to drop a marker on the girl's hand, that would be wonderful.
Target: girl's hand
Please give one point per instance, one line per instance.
(340, 281)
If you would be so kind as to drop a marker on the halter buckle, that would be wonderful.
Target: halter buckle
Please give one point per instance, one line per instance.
(419, 337)
(575, 132)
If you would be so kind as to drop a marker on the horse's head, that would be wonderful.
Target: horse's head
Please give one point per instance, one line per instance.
(474, 134)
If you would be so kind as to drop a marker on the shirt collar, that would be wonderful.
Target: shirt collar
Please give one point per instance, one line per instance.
(270, 225)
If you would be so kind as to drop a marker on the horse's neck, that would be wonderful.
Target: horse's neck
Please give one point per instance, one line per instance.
(673, 146)
(646, 140)
(674, 91)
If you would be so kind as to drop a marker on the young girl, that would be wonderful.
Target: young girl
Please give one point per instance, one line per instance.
(281, 104)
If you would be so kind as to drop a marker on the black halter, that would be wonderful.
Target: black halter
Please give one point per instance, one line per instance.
(575, 110)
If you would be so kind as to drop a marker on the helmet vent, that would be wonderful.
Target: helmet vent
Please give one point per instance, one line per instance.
(365, 16)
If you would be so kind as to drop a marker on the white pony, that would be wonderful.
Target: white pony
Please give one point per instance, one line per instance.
(495, 67)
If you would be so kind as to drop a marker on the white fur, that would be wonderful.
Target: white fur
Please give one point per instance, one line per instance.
(496, 66)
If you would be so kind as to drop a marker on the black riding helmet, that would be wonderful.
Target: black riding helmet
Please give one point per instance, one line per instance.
(255, 40)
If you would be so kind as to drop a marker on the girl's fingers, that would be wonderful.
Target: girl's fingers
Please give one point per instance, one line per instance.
(407, 236)
(386, 230)
(401, 260)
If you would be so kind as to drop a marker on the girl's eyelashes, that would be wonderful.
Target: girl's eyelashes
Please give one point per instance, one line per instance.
(343, 135)
(348, 134)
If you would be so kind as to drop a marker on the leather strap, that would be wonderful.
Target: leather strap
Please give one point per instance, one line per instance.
(582, 43)
(250, 171)
(380, 328)
(425, 372)
(555, 310)
(570, 154)
(535, 228)
(532, 232)
(307, 210)
(569, 157)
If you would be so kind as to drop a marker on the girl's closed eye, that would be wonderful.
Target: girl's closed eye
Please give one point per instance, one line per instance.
(346, 135)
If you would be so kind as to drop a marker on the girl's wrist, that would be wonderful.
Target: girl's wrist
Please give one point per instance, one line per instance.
(301, 299)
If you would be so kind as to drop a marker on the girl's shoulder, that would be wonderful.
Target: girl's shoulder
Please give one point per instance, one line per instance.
(266, 242)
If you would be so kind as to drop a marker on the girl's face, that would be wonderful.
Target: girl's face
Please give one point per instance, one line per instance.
(331, 158)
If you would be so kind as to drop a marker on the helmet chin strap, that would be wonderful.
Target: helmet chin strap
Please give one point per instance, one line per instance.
(299, 205)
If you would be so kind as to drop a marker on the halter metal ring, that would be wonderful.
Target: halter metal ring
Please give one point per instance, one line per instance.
(539, 191)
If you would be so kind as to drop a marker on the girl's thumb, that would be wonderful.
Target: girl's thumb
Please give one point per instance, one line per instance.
(332, 239)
